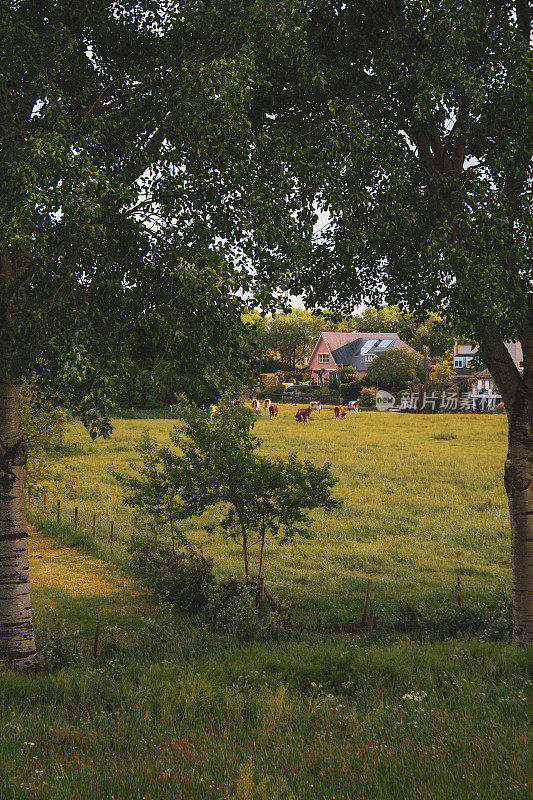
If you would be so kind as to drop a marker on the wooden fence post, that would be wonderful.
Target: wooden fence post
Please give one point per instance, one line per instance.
(58, 510)
(76, 518)
(94, 526)
(112, 535)
(367, 598)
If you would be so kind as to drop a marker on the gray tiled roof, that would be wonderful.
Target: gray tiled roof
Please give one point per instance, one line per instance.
(346, 347)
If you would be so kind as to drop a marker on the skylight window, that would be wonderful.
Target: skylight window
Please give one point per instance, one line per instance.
(368, 345)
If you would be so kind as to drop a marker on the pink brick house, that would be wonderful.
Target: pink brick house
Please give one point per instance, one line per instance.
(357, 350)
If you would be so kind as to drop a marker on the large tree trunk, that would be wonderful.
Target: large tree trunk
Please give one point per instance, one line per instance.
(519, 488)
(17, 642)
(517, 393)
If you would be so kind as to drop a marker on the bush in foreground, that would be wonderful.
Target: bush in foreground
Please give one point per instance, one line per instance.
(232, 610)
(182, 578)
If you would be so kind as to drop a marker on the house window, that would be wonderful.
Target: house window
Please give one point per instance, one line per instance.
(323, 358)
(520, 365)
(457, 362)
(369, 356)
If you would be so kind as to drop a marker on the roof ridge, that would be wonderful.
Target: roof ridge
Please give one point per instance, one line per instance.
(360, 333)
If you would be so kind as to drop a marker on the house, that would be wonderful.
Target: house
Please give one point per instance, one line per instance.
(476, 373)
(355, 349)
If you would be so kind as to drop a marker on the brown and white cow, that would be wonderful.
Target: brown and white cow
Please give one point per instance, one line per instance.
(273, 409)
(353, 405)
(266, 404)
(213, 410)
(315, 405)
(303, 415)
(340, 413)
(255, 405)
(238, 402)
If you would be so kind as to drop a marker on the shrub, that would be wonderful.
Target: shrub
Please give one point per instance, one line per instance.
(274, 392)
(232, 610)
(351, 391)
(367, 397)
(182, 578)
(333, 382)
(44, 425)
(491, 618)
(56, 645)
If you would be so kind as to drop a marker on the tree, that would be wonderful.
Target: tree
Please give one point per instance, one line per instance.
(434, 334)
(214, 464)
(442, 374)
(149, 487)
(393, 369)
(410, 125)
(294, 335)
(112, 116)
(385, 319)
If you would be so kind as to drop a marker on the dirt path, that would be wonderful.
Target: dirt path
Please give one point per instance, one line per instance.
(64, 576)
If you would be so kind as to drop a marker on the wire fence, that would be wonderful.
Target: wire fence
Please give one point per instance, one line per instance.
(110, 528)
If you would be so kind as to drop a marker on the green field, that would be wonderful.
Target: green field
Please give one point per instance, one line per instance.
(418, 509)
(169, 709)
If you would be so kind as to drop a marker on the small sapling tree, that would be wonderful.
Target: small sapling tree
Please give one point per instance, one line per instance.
(149, 487)
(215, 464)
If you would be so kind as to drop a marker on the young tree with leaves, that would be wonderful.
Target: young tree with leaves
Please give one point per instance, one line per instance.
(442, 374)
(214, 463)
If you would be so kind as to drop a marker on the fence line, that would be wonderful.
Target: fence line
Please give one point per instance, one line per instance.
(101, 526)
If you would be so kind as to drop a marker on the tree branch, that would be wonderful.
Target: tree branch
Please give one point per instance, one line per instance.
(500, 365)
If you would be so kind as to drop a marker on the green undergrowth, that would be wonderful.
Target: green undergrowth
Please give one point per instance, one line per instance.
(162, 715)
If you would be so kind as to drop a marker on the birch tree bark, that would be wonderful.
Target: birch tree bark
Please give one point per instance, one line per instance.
(17, 641)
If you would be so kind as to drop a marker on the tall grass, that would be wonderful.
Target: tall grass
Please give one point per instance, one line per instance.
(312, 719)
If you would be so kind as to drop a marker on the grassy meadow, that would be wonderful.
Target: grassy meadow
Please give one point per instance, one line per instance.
(423, 502)
(167, 708)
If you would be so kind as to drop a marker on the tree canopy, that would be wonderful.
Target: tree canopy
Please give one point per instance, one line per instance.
(393, 369)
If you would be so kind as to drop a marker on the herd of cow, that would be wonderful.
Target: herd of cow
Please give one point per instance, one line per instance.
(302, 415)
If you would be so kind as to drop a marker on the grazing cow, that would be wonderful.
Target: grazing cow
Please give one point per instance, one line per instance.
(315, 405)
(273, 409)
(255, 405)
(213, 410)
(303, 415)
(340, 413)
(266, 404)
(353, 405)
(238, 402)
